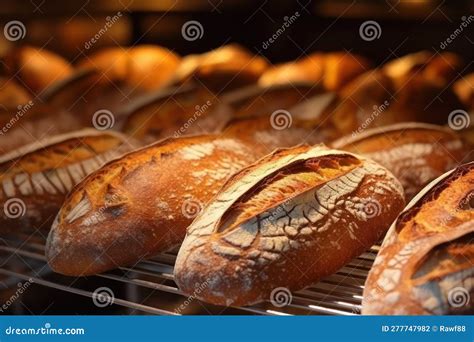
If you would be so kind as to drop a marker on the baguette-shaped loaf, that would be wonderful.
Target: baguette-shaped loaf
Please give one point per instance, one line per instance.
(425, 265)
(286, 221)
(141, 204)
(415, 153)
(36, 178)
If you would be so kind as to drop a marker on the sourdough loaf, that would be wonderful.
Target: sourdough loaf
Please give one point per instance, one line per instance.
(425, 265)
(286, 221)
(223, 69)
(36, 178)
(143, 66)
(329, 70)
(35, 68)
(141, 204)
(415, 153)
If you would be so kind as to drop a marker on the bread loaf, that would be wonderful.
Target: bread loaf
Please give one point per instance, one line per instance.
(223, 69)
(140, 205)
(144, 66)
(36, 178)
(464, 89)
(425, 265)
(329, 70)
(415, 153)
(258, 100)
(12, 94)
(35, 68)
(175, 112)
(286, 221)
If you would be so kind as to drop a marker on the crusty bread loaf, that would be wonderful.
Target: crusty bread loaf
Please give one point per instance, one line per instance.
(36, 178)
(12, 94)
(144, 66)
(35, 68)
(140, 205)
(286, 221)
(415, 153)
(223, 69)
(425, 265)
(442, 67)
(258, 100)
(175, 112)
(31, 122)
(375, 99)
(329, 70)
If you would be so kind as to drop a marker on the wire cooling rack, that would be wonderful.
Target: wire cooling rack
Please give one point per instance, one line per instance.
(149, 288)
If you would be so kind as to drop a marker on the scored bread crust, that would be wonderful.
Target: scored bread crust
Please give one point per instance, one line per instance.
(293, 241)
(425, 265)
(415, 153)
(141, 204)
(38, 176)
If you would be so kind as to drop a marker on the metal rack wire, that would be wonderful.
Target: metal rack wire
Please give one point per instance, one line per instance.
(148, 287)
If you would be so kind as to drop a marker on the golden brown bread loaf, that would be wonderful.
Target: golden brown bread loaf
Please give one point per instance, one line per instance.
(415, 153)
(35, 68)
(286, 221)
(31, 122)
(223, 69)
(144, 66)
(425, 265)
(175, 112)
(374, 99)
(12, 94)
(36, 178)
(329, 70)
(140, 205)
(258, 100)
